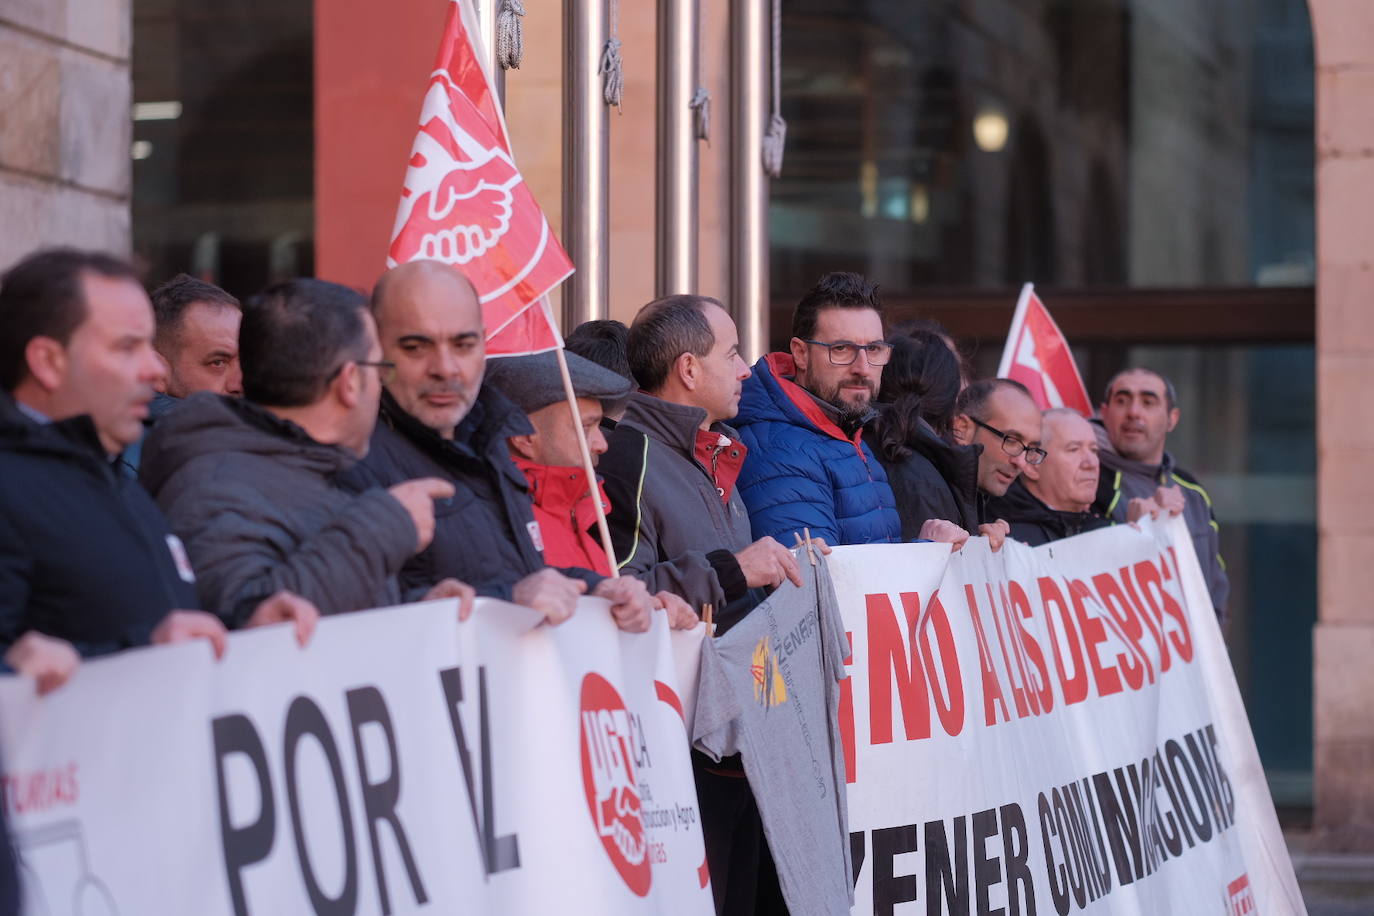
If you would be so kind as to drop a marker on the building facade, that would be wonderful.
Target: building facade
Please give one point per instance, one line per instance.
(1189, 185)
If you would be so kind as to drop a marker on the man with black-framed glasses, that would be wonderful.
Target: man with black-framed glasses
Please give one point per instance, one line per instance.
(999, 415)
(802, 413)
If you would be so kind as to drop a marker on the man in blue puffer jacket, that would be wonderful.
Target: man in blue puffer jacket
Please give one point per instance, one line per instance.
(802, 415)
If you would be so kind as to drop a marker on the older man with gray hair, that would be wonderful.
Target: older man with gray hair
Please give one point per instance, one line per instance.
(1053, 499)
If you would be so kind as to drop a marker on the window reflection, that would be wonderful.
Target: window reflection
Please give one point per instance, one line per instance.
(223, 154)
(1069, 143)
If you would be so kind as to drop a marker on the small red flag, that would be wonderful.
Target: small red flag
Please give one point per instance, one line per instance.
(465, 203)
(1038, 356)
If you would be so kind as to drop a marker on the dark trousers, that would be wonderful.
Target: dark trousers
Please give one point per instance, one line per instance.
(743, 877)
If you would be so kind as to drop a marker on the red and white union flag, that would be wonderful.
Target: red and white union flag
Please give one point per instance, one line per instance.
(1038, 356)
(465, 203)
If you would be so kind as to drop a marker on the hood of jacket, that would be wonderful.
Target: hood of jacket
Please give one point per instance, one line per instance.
(212, 424)
(770, 395)
(957, 464)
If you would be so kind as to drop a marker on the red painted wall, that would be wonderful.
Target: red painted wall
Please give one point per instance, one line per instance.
(371, 64)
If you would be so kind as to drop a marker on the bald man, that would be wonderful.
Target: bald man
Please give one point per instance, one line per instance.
(1053, 499)
(437, 414)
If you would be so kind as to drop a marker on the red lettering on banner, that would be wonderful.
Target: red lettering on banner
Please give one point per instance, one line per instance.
(1148, 615)
(40, 790)
(890, 656)
(1135, 666)
(851, 764)
(1018, 693)
(1021, 603)
(992, 689)
(1182, 638)
(1075, 688)
(1094, 634)
(950, 708)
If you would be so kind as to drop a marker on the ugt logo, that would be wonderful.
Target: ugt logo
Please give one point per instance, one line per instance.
(608, 776)
(460, 191)
(1240, 900)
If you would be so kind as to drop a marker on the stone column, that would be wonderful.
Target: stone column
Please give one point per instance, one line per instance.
(1343, 643)
(65, 125)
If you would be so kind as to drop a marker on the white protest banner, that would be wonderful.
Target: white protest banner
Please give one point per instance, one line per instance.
(1050, 731)
(401, 763)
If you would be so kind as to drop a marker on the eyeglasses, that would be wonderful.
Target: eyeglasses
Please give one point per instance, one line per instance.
(844, 352)
(1014, 446)
(386, 369)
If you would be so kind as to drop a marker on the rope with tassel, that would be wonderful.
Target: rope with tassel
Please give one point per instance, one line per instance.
(510, 37)
(701, 110)
(612, 68)
(701, 99)
(775, 137)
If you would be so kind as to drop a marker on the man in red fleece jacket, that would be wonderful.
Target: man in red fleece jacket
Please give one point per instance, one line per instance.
(551, 461)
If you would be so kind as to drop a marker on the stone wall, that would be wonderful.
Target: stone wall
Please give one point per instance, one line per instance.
(64, 125)
(1343, 32)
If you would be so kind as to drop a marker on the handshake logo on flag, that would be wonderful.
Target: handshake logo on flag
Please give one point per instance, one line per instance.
(460, 194)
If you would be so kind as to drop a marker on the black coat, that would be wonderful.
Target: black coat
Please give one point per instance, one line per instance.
(84, 553)
(257, 502)
(1034, 523)
(937, 480)
(485, 533)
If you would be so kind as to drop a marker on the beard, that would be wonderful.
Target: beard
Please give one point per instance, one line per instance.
(852, 413)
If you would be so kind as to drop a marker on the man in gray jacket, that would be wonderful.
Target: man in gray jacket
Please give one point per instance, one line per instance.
(1139, 411)
(678, 523)
(249, 485)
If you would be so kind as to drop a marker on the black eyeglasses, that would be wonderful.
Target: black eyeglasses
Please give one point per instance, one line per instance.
(1014, 446)
(844, 352)
(386, 369)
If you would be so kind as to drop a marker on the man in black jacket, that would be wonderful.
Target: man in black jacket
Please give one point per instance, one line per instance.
(85, 556)
(251, 484)
(439, 420)
(1053, 499)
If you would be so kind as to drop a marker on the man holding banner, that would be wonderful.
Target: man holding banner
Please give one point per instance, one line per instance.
(438, 419)
(1139, 411)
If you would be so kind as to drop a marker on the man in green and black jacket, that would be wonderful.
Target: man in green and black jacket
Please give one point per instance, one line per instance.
(1139, 411)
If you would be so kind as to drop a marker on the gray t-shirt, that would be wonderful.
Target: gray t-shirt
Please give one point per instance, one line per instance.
(769, 691)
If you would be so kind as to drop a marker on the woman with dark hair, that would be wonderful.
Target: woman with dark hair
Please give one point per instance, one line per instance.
(931, 477)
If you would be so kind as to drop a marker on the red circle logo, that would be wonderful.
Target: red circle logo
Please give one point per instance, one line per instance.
(608, 776)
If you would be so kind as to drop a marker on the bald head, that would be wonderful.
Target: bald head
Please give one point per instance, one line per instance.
(425, 282)
(1067, 479)
(430, 324)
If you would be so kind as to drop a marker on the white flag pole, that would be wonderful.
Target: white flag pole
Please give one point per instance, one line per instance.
(568, 392)
(1018, 321)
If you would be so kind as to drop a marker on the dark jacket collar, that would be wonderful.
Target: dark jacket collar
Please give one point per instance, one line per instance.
(672, 424)
(75, 437)
(1020, 505)
(491, 421)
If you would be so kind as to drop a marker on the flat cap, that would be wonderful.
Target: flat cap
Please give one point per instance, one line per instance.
(534, 381)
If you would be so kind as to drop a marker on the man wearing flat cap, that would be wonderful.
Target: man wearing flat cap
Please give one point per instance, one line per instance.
(551, 460)
(439, 419)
